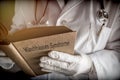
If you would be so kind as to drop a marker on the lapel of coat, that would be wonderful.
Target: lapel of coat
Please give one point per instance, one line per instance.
(69, 6)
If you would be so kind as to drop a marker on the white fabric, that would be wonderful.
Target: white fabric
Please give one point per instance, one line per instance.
(5, 62)
(106, 70)
(103, 37)
(80, 16)
(66, 63)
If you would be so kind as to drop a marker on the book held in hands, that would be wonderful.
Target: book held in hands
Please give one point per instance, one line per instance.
(26, 46)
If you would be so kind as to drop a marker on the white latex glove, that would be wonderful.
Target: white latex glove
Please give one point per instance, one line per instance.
(72, 65)
(5, 62)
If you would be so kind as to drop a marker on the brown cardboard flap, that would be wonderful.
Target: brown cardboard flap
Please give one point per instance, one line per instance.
(37, 32)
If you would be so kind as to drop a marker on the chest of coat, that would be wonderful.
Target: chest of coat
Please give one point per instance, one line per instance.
(87, 27)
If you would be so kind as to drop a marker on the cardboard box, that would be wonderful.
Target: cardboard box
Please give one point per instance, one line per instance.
(27, 46)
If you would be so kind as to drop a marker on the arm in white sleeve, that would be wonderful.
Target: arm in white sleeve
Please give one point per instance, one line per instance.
(107, 61)
(107, 64)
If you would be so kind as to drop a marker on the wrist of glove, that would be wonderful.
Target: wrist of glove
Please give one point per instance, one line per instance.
(71, 65)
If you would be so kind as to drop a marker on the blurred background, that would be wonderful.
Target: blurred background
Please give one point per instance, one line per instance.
(6, 12)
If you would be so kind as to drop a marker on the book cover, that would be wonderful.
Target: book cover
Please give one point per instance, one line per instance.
(25, 47)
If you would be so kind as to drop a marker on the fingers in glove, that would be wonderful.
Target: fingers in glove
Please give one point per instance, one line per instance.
(49, 68)
(46, 70)
(64, 56)
(53, 62)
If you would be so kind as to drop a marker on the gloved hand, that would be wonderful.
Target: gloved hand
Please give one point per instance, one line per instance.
(5, 62)
(71, 65)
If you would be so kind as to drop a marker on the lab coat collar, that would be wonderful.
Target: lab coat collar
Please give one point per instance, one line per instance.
(70, 5)
(61, 3)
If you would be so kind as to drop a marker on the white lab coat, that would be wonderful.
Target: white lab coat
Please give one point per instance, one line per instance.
(80, 16)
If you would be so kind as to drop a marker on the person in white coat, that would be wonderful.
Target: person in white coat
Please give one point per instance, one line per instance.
(97, 46)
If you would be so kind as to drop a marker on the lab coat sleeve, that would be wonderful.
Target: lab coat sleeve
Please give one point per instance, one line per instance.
(107, 61)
